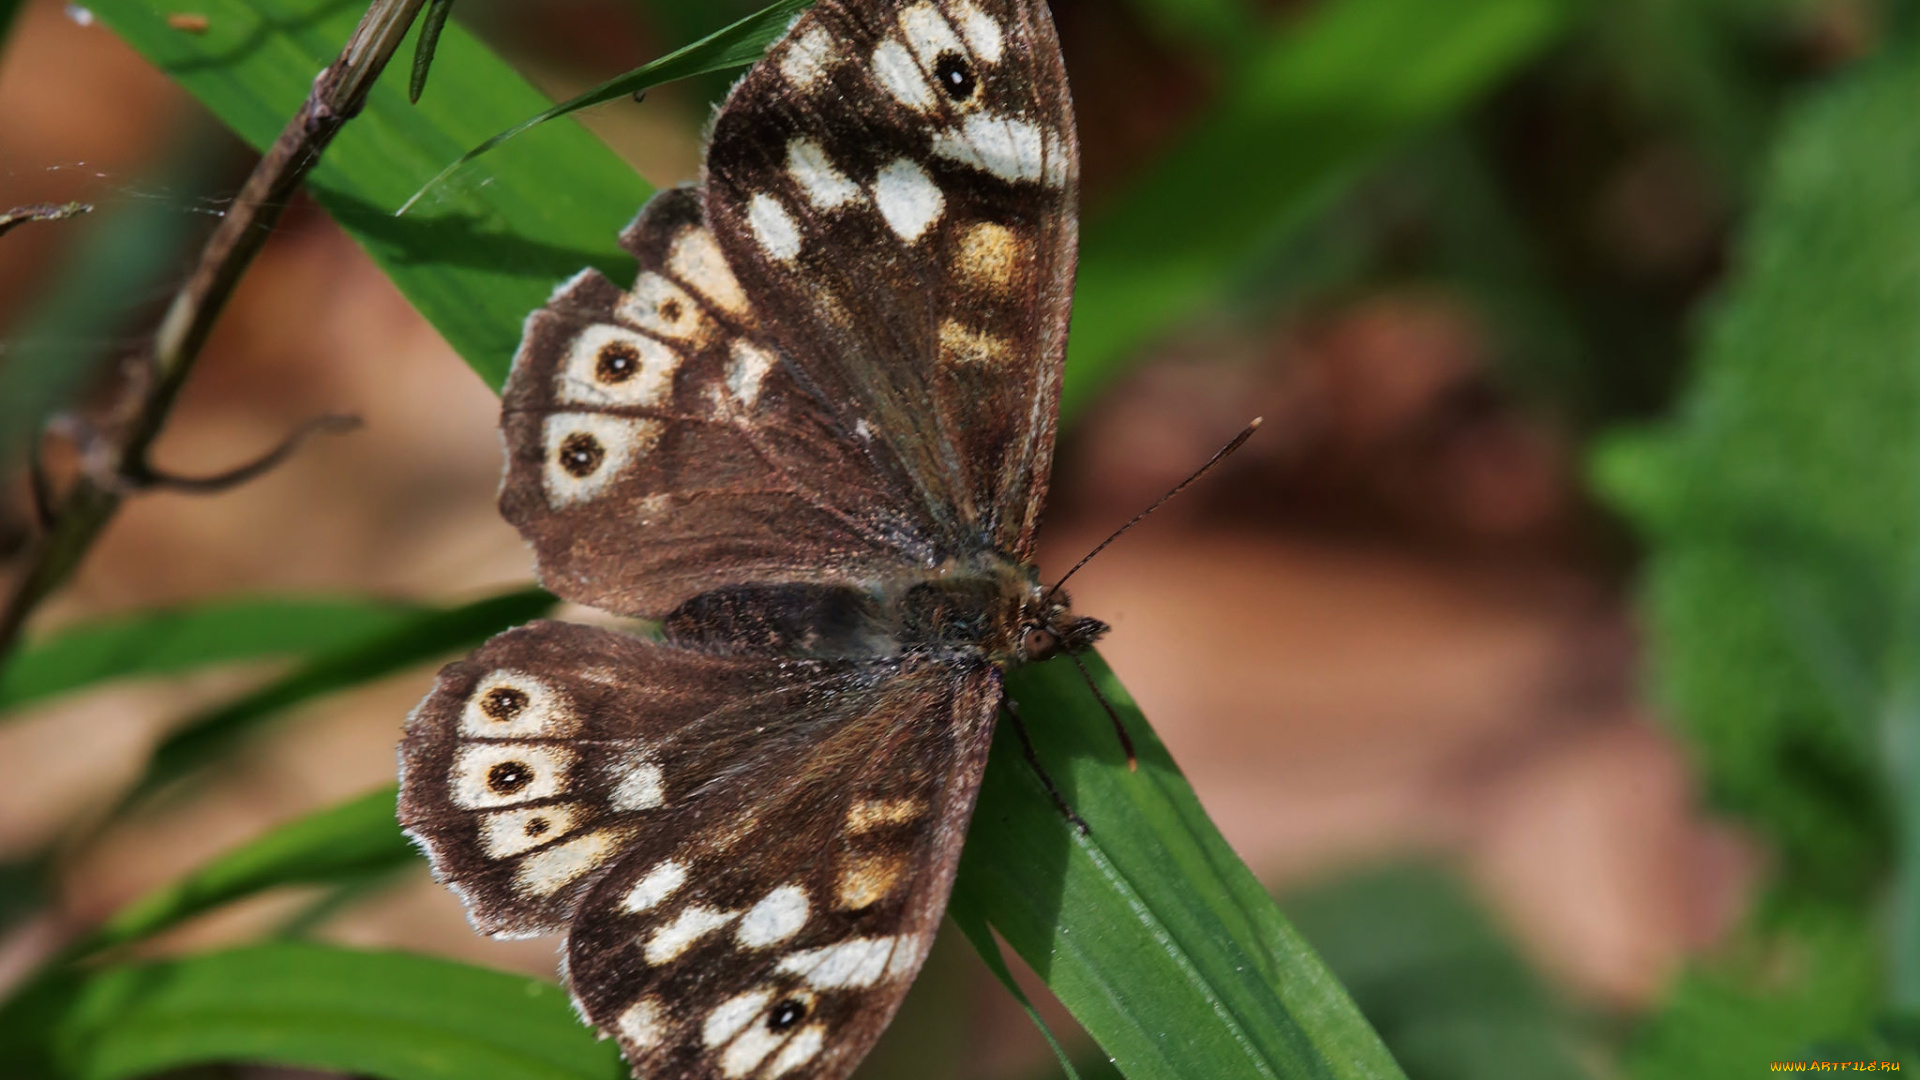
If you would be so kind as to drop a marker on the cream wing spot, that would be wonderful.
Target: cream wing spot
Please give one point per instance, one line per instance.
(547, 872)
(638, 783)
(515, 705)
(697, 260)
(777, 917)
(747, 369)
(826, 187)
(664, 309)
(859, 962)
(486, 775)
(900, 75)
(685, 931)
(1059, 169)
(870, 814)
(991, 256)
(774, 228)
(659, 883)
(803, 1048)
(611, 365)
(642, 1024)
(909, 952)
(964, 346)
(929, 33)
(510, 832)
(908, 198)
(982, 32)
(732, 1015)
(810, 58)
(748, 1050)
(587, 451)
(1008, 147)
(866, 880)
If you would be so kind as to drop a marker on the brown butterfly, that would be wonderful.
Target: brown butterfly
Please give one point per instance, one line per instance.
(813, 441)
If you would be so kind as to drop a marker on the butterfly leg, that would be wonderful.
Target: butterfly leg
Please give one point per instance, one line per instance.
(1033, 759)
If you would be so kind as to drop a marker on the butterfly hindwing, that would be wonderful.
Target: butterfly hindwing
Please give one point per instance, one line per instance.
(895, 186)
(750, 854)
(779, 940)
(658, 446)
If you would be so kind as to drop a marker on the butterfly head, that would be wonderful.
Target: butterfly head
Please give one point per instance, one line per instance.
(1048, 627)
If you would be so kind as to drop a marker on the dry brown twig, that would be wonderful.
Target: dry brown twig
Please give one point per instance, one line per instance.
(20, 215)
(96, 493)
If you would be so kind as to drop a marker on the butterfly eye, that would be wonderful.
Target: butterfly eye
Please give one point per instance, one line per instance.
(786, 1014)
(509, 777)
(1038, 642)
(581, 454)
(617, 362)
(954, 75)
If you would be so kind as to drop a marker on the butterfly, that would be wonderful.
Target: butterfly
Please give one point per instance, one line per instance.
(812, 441)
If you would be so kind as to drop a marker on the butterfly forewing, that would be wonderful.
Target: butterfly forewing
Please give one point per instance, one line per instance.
(895, 186)
(659, 447)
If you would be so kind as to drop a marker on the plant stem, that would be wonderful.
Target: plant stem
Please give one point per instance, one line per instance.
(337, 96)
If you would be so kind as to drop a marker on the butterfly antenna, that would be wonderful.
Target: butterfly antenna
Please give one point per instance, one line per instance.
(1119, 729)
(1219, 456)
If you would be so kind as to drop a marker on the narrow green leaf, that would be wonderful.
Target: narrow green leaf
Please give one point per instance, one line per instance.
(980, 935)
(341, 843)
(1304, 116)
(171, 641)
(737, 45)
(473, 260)
(1150, 930)
(432, 21)
(387, 1015)
(420, 638)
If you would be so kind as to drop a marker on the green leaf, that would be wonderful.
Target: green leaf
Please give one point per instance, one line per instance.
(171, 641)
(1301, 120)
(1150, 930)
(342, 843)
(473, 260)
(432, 22)
(416, 640)
(388, 1015)
(735, 46)
(970, 922)
(1446, 990)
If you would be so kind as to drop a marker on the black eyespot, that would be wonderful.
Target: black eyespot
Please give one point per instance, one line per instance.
(786, 1014)
(509, 777)
(581, 454)
(954, 75)
(503, 703)
(537, 827)
(618, 362)
(670, 310)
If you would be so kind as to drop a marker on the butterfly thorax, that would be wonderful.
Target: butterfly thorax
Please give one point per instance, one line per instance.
(990, 608)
